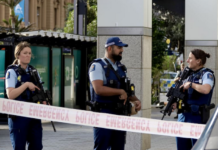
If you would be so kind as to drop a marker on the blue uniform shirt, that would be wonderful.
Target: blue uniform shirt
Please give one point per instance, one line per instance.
(208, 79)
(96, 72)
(11, 78)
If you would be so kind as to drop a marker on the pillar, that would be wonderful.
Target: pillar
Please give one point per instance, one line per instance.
(131, 21)
(43, 15)
(2, 15)
(33, 12)
(49, 14)
(201, 31)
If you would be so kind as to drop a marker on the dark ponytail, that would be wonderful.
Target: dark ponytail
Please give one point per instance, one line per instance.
(200, 54)
(207, 55)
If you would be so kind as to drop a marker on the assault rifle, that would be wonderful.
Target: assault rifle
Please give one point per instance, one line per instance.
(176, 93)
(40, 95)
(130, 90)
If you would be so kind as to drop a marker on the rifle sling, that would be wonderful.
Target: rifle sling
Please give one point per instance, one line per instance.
(112, 68)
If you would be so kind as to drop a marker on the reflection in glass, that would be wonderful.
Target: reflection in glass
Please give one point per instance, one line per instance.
(69, 94)
(56, 76)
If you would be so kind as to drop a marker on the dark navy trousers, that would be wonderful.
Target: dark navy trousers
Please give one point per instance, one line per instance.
(25, 131)
(187, 143)
(107, 139)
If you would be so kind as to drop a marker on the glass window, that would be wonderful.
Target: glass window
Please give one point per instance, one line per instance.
(172, 76)
(56, 76)
(69, 93)
(2, 73)
(77, 71)
(40, 61)
(165, 76)
(168, 76)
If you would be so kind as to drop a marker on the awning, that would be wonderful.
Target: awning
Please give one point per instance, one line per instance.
(49, 38)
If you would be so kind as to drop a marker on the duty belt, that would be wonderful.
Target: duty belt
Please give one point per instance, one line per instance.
(119, 107)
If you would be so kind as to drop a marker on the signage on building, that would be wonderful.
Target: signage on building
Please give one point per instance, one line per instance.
(66, 51)
(19, 10)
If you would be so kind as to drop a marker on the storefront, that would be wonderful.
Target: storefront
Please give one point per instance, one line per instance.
(60, 59)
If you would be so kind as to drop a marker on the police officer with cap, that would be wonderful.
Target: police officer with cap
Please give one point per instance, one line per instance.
(199, 89)
(20, 87)
(105, 89)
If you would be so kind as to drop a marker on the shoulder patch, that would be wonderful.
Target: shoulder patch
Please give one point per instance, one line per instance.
(92, 68)
(8, 75)
(209, 76)
(19, 78)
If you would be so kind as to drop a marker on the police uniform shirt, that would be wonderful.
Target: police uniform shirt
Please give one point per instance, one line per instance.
(11, 78)
(96, 72)
(207, 78)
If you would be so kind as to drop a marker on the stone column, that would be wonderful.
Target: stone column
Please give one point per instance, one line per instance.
(33, 12)
(62, 15)
(49, 14)
(44, 15)
(7, 13)
(201, 31)
(2, 15)
(131, 21)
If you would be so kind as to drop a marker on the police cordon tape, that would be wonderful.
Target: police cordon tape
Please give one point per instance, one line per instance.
(88, 118)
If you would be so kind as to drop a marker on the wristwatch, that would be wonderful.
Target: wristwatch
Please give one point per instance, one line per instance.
(190, 85)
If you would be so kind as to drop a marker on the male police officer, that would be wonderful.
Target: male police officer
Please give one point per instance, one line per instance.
(105, 89)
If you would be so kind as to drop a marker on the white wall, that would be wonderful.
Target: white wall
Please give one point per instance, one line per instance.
(124, 13)
(201, 19)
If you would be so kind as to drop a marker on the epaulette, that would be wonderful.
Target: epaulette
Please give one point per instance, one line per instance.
(13, 66)
(208, 70)
(95, 60)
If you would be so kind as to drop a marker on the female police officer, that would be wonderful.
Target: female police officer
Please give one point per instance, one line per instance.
(199, 89)
(19, 87)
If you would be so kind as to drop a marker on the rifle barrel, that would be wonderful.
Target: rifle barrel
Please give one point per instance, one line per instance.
(52, 123)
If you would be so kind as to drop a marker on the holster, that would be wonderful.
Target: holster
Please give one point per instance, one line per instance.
(205, 114)
(202, 110)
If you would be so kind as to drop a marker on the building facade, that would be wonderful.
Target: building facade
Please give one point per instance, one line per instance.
(44, 14)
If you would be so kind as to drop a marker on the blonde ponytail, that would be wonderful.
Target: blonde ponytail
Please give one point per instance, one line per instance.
(15, 61)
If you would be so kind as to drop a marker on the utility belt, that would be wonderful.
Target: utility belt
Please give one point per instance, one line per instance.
(203, 110)
(118, 107)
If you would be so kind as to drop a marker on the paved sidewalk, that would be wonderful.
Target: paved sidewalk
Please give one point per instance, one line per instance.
(76, 137)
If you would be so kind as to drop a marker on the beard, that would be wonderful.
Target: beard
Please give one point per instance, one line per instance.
(116, 57)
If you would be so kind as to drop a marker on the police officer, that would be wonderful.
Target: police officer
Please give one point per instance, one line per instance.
(19, 87)
(105, 89)
(199, 89)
